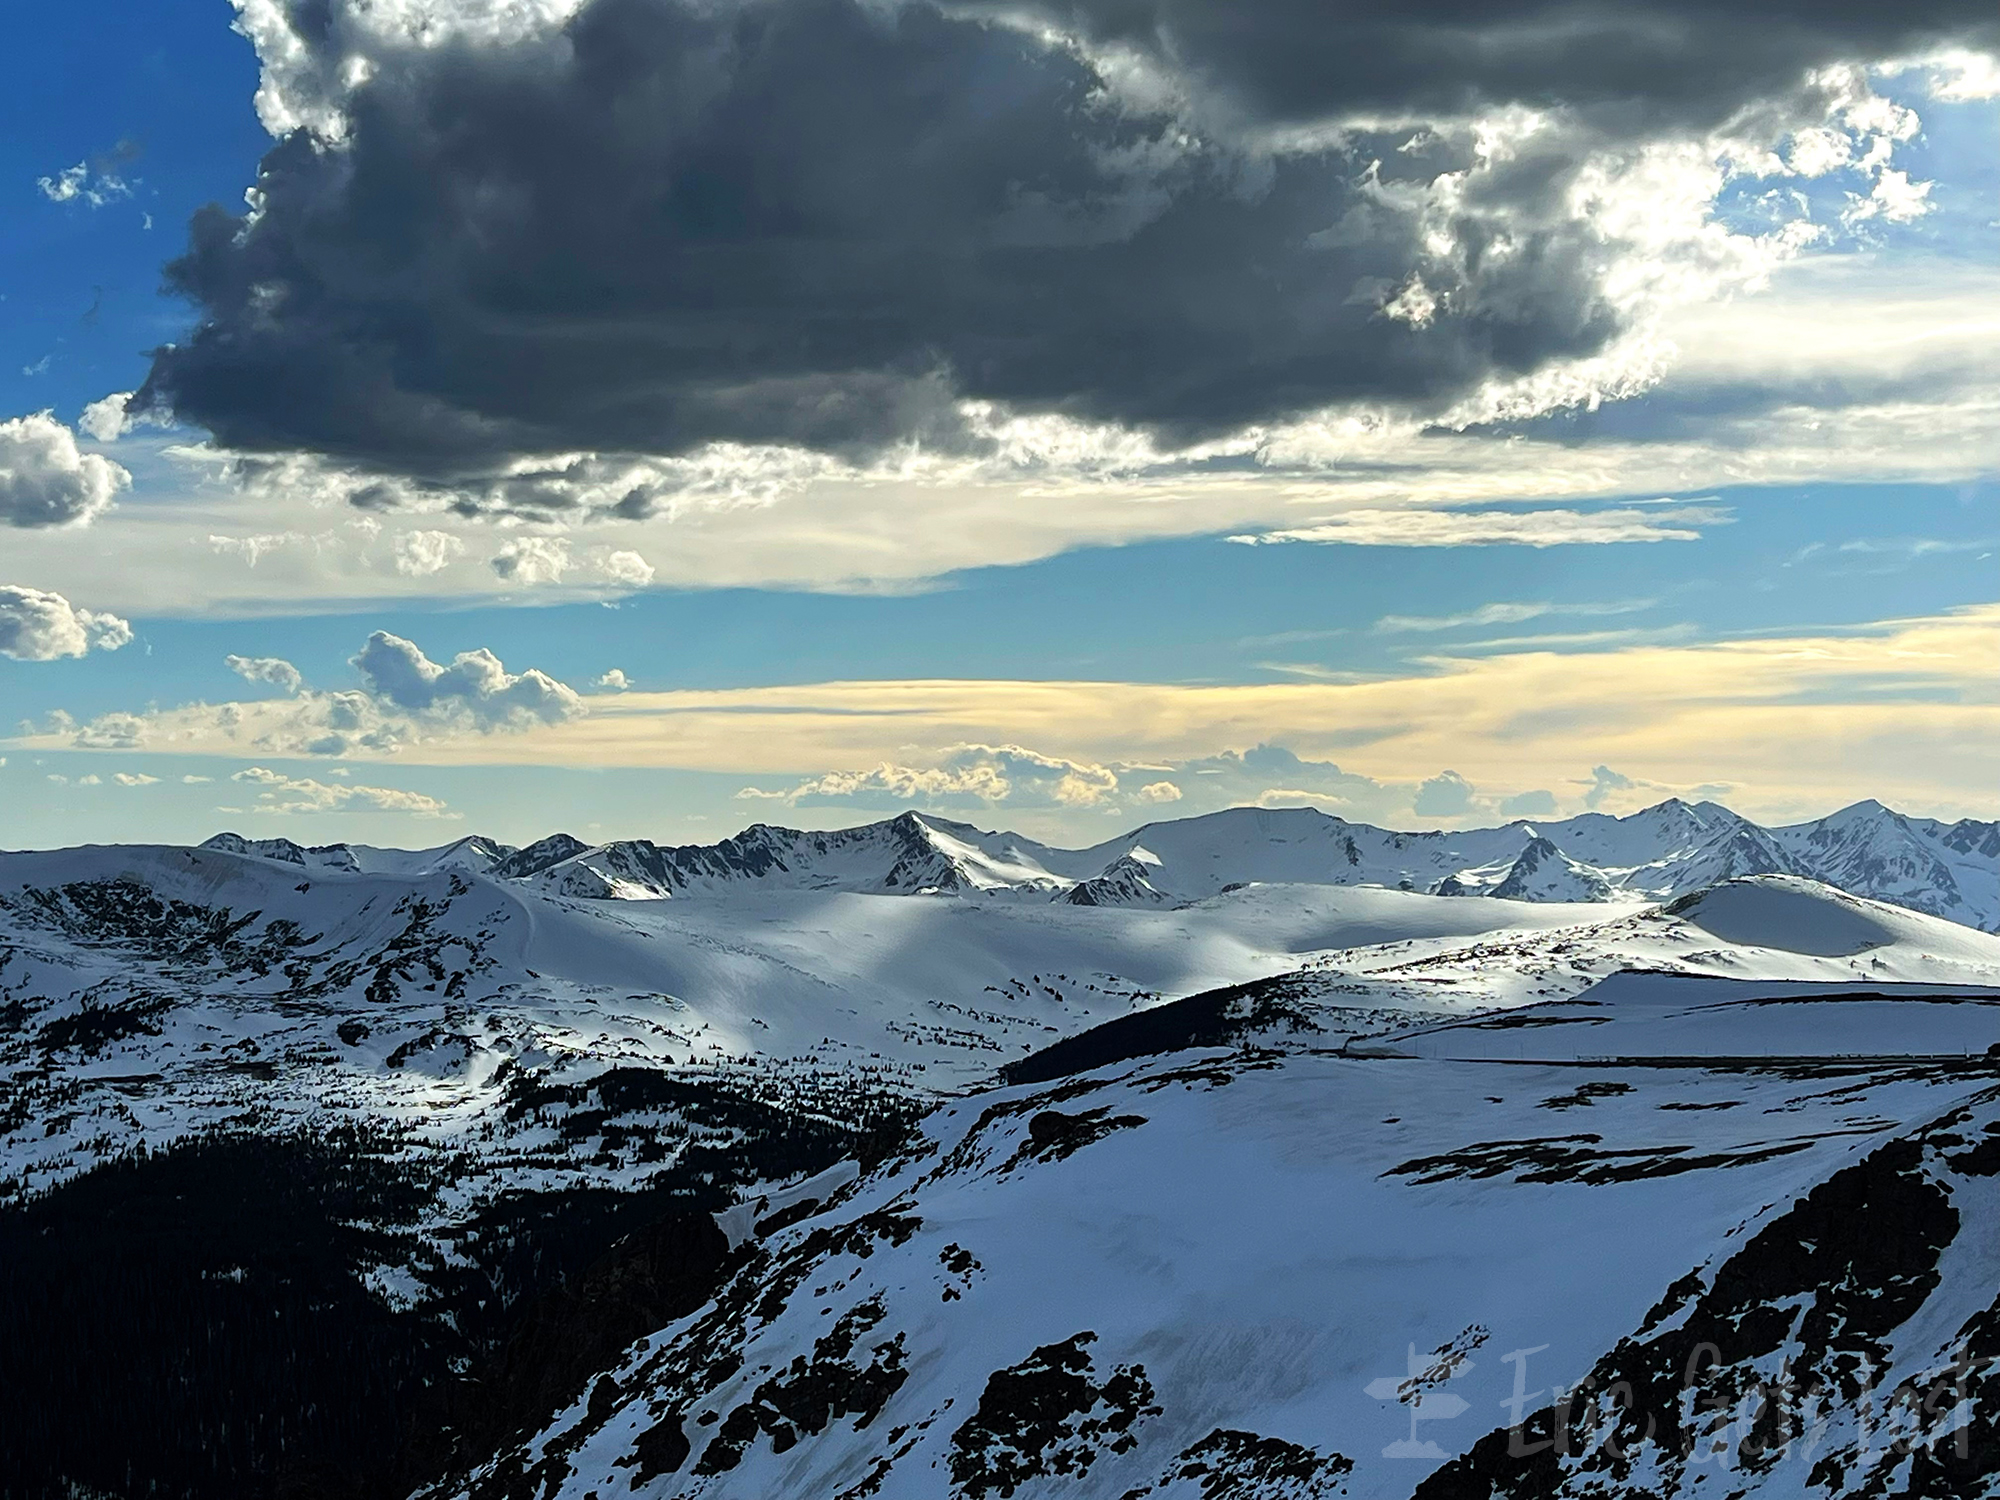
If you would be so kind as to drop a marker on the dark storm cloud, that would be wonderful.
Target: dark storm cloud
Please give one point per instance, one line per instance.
(1642, 64)
(823, 223)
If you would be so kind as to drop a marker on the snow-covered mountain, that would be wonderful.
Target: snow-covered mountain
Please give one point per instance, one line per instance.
(1275, 1268)
(419, 1166)
(1948, 870)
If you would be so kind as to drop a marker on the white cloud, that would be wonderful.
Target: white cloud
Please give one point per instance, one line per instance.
(1894, 199)
(419, 554)
(1445, 795)
(615, 680)
(476, 685)
(45, 480)
(294, 794)
(1605, 783)
(533, 560)
(134, 778)
(85, 184)
(104, 420)
(407, 700)
(963, 775)
(115, 731)
(1157, 792)
(253, 549)
(36, 625)
(1487, 528)
(1958, 76)
(1535, 804)
(274, 670)
(1502, 613)
(627, 568)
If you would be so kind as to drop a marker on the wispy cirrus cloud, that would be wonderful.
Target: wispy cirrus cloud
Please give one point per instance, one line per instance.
(1506, 612)
(1497, 528)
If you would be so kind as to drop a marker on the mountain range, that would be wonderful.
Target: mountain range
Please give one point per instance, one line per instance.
(1950, 870)
(1259, 1155)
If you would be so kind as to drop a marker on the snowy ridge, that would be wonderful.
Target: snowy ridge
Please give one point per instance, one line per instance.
(1282, 1272)
(1946, 870)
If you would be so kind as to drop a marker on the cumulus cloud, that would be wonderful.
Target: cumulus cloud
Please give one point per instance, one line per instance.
(419, 554)
(1535, 804)
(405, 699)
(279, 793)
(1604, 784)
(475, 685)
(1445, 795)
(113, 731)
(273, 670)
(104, 420)
(1046, 790)
(534, 559)
(875, 230)
(134, 778)
(615, 680)
(45, 480)
(1041, 788)
(964, 776)
(36, 625)
(627, 568)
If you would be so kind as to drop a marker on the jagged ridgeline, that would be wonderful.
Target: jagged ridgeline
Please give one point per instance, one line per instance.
(1949, 870)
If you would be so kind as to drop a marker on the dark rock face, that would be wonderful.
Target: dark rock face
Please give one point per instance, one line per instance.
(1048, 1415)
(538, 856)
(1216, 1018)
(1124, 882)
(1232, 1465)
(1053, 1135)
(810, 1394)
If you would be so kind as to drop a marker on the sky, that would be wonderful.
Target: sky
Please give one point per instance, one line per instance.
(643, 418)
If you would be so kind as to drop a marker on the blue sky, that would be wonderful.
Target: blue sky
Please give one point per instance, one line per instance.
(1759, 562)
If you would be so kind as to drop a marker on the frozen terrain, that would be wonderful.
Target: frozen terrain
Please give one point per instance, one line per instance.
(1275, 1270)
(916, 1160)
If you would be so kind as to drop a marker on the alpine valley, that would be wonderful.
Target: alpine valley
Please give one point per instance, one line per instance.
(1260, 1155)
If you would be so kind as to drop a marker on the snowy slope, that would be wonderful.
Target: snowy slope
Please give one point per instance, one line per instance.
(146, 991)
(1291, 1273)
